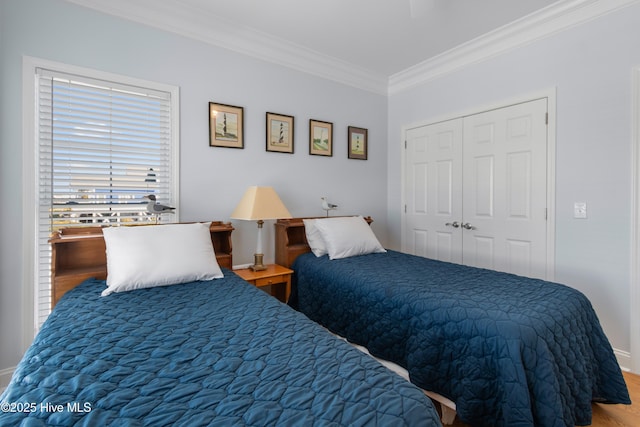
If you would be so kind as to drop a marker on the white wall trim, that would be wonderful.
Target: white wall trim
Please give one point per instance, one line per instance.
(550, 95)
(193, 22)
(5, 377)
(543, 23)
(29, 201)
(196, 23)
(623, 358)
(634, 297)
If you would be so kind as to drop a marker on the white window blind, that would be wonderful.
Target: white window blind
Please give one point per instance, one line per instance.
(102, 147)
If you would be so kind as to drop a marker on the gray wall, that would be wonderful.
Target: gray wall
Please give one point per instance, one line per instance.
(590, 67)
(212, 180)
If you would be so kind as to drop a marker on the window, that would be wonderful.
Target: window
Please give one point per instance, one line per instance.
(102, 146)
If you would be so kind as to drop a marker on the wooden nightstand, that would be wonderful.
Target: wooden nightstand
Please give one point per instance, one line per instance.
(273, 275)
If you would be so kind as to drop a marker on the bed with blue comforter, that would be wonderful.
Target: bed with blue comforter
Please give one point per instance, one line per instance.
(508, 350)
(218, 352)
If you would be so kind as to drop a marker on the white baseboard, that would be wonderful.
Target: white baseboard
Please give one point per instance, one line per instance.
(624, 359)
(5, 377)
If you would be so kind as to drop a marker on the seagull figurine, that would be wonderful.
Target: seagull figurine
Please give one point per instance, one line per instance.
(327, 206)
(156, 208)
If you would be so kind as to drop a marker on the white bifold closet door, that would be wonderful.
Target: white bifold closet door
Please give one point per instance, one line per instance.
(475, 190)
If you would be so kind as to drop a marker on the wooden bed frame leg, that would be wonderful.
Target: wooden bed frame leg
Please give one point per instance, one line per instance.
(447, 407)
(448, 414)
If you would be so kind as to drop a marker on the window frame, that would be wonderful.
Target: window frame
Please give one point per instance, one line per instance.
(30, 182)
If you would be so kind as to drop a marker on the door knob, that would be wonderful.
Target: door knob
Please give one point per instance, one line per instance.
(468, 226)
(453, 224)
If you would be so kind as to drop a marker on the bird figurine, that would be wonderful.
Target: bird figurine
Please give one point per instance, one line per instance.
(156, 208)
(327, 206)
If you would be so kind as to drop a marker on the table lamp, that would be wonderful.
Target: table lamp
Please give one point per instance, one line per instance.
(259, 204)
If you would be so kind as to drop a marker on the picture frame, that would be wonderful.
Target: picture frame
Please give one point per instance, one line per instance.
(280, 133)
(358, 143)
(226, 125)
(320, 138)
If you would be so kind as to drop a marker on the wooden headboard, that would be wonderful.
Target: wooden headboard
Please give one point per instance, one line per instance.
(291, 239)
(80, 253)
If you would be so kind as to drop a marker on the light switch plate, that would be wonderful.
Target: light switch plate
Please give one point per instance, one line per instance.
(580, 210)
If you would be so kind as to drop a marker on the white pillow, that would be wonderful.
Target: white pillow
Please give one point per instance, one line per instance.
(148, 256)
(314, 238)
(348, 236)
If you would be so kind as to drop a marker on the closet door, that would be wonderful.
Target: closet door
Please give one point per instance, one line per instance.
(475, 190)
(433, 191)
(504, 189)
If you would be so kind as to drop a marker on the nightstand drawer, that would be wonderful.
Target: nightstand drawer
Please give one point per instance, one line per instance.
(270, 280)
(273, 275)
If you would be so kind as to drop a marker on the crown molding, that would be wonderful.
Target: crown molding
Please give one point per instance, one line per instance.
(181, 18)
(543, 23)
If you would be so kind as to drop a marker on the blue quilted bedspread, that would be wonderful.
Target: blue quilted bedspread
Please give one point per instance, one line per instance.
(510, 351)
(203, 353)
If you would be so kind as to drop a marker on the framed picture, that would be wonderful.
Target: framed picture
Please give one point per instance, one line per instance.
(226, 126)
(320, 138)
(279, 133)
(358, 142)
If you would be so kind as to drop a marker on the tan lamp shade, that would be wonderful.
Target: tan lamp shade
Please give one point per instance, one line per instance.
(258, 204)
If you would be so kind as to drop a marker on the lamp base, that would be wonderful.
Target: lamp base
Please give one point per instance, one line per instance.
(257, 263)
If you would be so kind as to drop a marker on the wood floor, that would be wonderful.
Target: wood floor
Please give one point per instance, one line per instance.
(611, 415)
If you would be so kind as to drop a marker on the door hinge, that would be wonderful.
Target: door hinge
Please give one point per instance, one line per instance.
(405, 144)
(405, 208)
(546, 118)
(545, 214)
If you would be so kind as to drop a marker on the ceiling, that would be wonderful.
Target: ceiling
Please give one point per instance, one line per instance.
(381, 36)
(366, 43)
